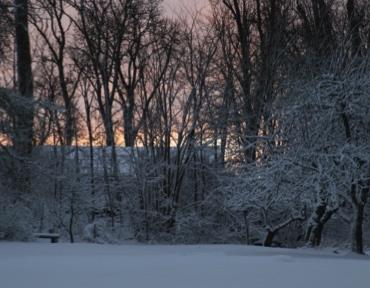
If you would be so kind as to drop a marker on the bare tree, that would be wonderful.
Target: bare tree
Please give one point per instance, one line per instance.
(51, 21)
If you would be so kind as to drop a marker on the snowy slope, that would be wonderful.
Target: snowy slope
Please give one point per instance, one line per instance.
(43, 265)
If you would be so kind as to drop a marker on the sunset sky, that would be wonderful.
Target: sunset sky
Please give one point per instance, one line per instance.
(177, 4)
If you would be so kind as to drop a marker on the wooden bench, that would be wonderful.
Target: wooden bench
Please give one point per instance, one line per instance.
(54, 237)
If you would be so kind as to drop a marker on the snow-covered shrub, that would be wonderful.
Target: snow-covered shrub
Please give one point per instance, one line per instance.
(15, 222)
(270, 198)
(91, 232)
(98, 232)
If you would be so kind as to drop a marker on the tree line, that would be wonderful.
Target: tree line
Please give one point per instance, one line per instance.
(246, 121)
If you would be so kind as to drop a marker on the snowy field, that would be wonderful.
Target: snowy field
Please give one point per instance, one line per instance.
(44, 265)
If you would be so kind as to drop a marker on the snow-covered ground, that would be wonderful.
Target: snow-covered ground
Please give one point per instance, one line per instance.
(44, 265)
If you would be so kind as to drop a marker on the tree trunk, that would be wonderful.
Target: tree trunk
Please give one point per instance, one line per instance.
(316, 234)
(269, 238)
(24, 118)
(354, 25)
(24, 72)
(71, 220)
(357, 229)
(129, 130)
(315, 226)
